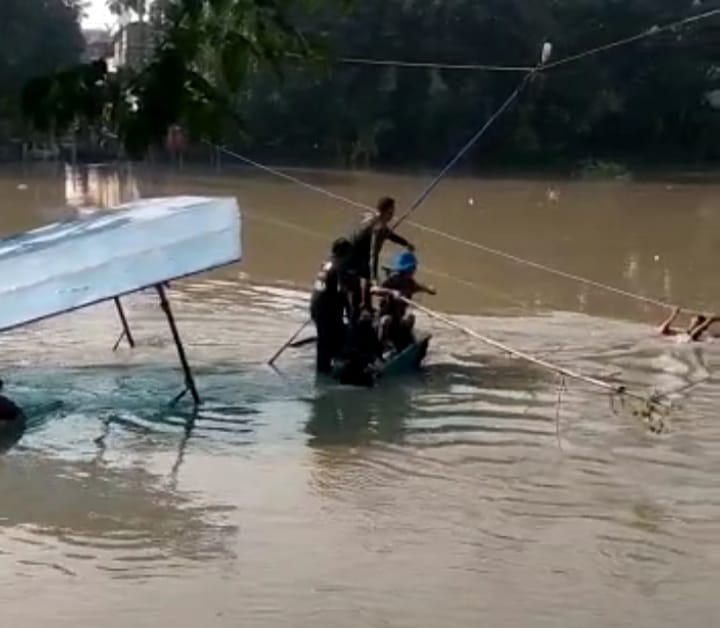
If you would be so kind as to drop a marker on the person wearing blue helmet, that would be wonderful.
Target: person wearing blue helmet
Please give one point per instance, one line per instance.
(396, 323)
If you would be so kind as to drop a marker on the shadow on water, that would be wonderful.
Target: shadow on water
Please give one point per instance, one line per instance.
(78, 411)
(94, 479)
(86, 409)
(122, 520)
(347, 416)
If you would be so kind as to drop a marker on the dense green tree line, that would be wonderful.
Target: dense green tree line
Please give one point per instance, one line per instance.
(645, 101)
(203, 54)
(266, 75)
(37, 37)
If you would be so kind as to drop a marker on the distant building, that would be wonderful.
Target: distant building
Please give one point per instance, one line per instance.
(132, 45)
(98, 44)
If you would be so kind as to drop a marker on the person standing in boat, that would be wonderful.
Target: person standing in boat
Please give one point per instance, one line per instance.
(367, 242)
(331, 300)
(396, 323)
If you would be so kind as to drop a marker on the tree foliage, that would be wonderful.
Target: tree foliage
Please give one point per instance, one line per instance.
(646, 100)
(38, 37)
(203, 51)
(123, 7)
(239, 70)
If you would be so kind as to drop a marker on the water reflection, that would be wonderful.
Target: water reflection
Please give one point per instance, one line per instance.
(342, 416)
(473, 398)
(100, 185)
(119, 520)
(595, 230)
(434, 500)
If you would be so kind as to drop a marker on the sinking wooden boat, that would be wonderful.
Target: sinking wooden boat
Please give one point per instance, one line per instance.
(409, 359)
(66, 266)
(401, 363)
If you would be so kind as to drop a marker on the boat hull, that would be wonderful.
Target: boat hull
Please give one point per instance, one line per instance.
(406, 361)
(65, 266)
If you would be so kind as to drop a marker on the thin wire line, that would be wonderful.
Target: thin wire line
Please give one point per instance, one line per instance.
(650, 32)
(655, 30)
(427, 269)
(450, 236)
(288, 177)
(434, 66)
(539, 266)
(468, 145)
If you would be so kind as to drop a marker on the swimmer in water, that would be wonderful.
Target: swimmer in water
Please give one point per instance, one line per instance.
(693, 333)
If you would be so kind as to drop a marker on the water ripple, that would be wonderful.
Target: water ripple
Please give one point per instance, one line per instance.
(472, 462)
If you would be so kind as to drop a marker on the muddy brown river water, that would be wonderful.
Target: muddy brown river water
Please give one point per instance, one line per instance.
(463, 496)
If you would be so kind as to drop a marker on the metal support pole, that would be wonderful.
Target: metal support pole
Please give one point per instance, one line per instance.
(189, 427)
(189, 381)
(126, 328)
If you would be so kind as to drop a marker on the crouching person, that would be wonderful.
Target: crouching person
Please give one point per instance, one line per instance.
(396, 321)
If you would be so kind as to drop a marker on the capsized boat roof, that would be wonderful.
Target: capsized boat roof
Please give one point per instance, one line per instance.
(65, 266)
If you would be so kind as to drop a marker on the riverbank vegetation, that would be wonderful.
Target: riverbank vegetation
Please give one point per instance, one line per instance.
(268, 77)
(39, 37)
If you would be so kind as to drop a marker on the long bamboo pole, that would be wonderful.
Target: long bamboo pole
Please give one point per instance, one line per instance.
(618, 389)
(288, 343)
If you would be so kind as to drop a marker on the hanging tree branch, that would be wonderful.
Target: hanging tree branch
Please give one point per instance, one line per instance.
(203, 52)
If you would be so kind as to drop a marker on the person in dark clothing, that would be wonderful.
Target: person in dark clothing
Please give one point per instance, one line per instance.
(12, 421)
(367, 241)
(330, 301)
(360, 353)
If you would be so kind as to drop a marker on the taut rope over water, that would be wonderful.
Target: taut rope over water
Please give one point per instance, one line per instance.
(617, 389)
(454, 238)
(542, 65)
(652, 406)
(486, 67)
(433, 184)
(470, 143)
(288, 342)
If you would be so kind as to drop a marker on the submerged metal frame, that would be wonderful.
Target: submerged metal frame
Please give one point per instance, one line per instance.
(190, 386)
(126, 328)
(189, 380)
(224, 234)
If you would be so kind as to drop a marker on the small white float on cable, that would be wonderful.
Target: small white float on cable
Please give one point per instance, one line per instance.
(546, 53)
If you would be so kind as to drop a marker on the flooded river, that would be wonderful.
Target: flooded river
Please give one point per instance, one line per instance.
(463, 496)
